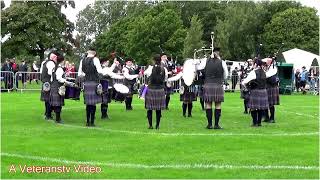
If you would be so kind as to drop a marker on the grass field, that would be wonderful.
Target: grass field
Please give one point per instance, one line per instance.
(124, 148)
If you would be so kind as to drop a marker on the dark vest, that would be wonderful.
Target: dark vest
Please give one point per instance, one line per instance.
(55, 83)
(213, 71)
(45, 77)
(260, 81)
(155, 81)
(90, 69)
(131, 72)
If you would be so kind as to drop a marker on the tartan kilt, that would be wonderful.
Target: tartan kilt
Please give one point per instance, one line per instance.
(55, 98)
(244, 94)
(45, 96)
(213, 92)
(273, 96)
(106, 96)
(258, 99)
(155, 99)
(188, 97)
(90, 95)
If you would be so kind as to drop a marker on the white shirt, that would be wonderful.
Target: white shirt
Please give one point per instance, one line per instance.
(126, 74)
(202, 65)
(271, 71)
(148, 72)
(59, 74)
(35, 67)
(50, 65)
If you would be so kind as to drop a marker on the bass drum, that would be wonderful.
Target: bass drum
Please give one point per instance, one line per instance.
(189, 70)
(120, 92)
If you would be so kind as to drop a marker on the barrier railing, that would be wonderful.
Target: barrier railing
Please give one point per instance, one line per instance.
(31, 81)
(7, 80)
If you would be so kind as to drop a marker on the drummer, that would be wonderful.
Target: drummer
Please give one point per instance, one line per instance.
(188, 94)
(130, 79)
(90, 68)
(216, 72)
(167, 63)
(57, 86)
(107, 83)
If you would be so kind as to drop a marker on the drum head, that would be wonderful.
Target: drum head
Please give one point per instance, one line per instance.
(121, 88)
(189, 70)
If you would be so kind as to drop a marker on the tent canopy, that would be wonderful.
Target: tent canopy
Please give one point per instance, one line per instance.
(300, 58)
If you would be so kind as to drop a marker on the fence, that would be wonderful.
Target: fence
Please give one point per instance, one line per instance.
(7, 80)
(22, 81)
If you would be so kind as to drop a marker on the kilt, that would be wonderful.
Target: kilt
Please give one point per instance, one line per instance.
(244, 94)
(273, 95)
(155, 99)
(258, 99)
(55, 98)
(45, 96)
(90, 95)
(188, 97)
(106, 96)
(213, 92)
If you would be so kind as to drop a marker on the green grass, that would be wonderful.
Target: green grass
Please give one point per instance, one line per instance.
(125, 139)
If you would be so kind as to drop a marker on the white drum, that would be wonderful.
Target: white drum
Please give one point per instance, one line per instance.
(121, 88)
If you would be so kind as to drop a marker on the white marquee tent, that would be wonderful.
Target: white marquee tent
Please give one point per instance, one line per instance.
(300, 58)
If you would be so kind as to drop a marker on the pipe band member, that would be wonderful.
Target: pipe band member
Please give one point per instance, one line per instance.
(216, 72)
(58, 81)
(258, 100)
(155, 96)
(130, 79)
(90, 68)
(46, 72)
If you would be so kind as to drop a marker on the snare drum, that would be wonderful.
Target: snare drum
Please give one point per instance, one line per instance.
(105, 85)
(72, 93)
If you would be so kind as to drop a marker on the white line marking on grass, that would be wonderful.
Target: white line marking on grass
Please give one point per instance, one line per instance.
(299, 114)
(161, 166)
(191, 134)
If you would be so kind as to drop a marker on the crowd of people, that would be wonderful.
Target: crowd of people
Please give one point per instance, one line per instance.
(304, 77)
(26, 73)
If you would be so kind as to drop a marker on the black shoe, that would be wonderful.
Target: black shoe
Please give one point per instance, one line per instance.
(209, 127)
(48, 118)
(217, 127)
(254, 125)
(104, 117)
(184, 115)
(259, 124)
(272, 121)
(150, 127)
(189, 115)
(167, 108)
(59, 122)
(157, 127)
(245, 112)
(87, 124)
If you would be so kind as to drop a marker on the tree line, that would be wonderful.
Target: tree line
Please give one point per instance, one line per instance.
(139, 28)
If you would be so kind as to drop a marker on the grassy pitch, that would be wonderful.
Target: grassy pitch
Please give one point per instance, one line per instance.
(123, 147)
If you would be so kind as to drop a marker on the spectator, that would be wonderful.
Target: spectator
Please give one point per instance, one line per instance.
(303, 79)
(297, 79)
(234, 78)
(15, 69)
(34, 70)
(23, 68)
(312, 80)
(8, 78)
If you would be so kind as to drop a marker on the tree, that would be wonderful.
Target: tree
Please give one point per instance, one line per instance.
(297, 28)
(34, 27)
(193, 39)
